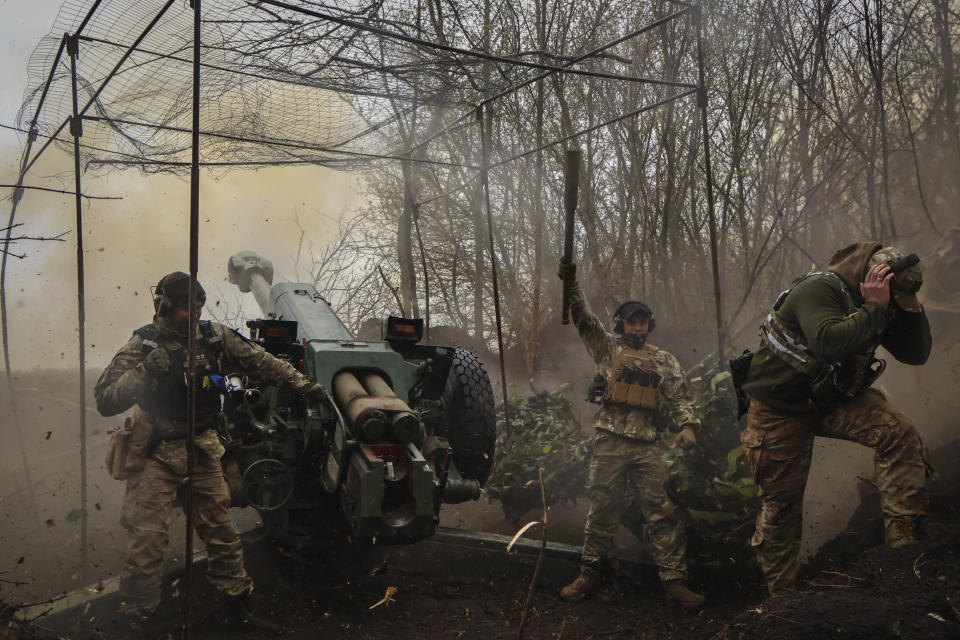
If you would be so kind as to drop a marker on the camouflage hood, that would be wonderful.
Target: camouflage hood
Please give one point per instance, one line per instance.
(850, 263)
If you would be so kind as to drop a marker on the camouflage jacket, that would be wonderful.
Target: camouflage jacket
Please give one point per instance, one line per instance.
(675, 408)
(125, 379)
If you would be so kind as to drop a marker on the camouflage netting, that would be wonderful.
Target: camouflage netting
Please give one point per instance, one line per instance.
(350, 84)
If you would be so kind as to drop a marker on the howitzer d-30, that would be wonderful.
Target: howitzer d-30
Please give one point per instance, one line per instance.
(405, 427)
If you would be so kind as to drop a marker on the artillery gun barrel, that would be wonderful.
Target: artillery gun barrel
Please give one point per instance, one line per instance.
(251, 273)
(297, 301)
(260, 289)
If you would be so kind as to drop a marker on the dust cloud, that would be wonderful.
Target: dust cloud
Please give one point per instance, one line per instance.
(130, 244)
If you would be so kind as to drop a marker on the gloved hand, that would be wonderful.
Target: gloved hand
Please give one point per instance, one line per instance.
(686, 439)
(315, 392)
(157, 362)
(566, 269)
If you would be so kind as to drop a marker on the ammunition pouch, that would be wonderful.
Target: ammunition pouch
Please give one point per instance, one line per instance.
(632, 383)
(739, 369)
(847, 381)
(128, 449)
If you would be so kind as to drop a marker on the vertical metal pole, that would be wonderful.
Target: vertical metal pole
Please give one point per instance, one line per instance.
(485, 134)
(192, 325)
(76, 128)
(714, 258)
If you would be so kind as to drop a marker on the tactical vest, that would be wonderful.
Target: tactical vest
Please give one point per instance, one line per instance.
(829, 381)
(168, 398)
(634, 380)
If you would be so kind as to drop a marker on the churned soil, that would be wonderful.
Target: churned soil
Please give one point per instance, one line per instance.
(439, 590)
(911, 592)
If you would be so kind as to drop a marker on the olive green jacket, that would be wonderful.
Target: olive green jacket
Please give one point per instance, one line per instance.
(836, 324)
(675, 407)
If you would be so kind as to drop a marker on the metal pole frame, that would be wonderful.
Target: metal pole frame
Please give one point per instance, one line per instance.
(106, 81)
(540, 76)
(188, 483)
(17, 196)
(697, 18)
(76, 130)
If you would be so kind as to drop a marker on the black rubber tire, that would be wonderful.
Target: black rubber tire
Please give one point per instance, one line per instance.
(471, 422)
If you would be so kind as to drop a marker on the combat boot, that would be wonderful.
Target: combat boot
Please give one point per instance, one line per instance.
(586, 585)
(900, 532)
(683, 595)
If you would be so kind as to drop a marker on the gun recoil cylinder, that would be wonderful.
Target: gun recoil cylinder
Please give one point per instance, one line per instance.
(404, 424)
(369, 422)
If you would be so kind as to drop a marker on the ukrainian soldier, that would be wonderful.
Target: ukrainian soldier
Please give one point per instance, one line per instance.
(645, 392)
(812, 376)
(148, 374)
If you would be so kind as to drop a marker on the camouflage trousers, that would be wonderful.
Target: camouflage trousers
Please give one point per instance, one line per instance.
(147, 508)
(627, 483)
(778, 448)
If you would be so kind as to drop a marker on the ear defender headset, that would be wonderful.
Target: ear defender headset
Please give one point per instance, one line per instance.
(629, 308)
(162, 303)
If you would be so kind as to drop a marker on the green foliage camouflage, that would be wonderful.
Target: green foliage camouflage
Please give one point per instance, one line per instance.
(710, 483)
(543, 433)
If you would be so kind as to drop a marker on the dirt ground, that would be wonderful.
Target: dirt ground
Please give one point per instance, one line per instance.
(912, 592)
(441, 590)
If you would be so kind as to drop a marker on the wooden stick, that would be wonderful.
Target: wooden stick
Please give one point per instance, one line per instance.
(536, 571)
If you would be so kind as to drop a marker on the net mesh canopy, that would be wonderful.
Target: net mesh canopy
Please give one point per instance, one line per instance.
(307, 82)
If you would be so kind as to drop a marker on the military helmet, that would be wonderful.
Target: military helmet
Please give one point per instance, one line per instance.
(173, 291)
(905, 284)
(629, 308)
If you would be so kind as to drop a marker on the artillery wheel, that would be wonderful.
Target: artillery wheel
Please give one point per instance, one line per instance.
(470, 416)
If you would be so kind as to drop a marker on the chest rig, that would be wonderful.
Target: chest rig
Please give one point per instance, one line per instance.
(829, 381)
(634, 380)
(168, 397)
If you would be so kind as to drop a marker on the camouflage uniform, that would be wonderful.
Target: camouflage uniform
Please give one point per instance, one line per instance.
(779, 448)
(826, 315)
(151, 495)
(627, 470)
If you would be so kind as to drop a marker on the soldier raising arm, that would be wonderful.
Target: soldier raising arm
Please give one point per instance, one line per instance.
(644, 388)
